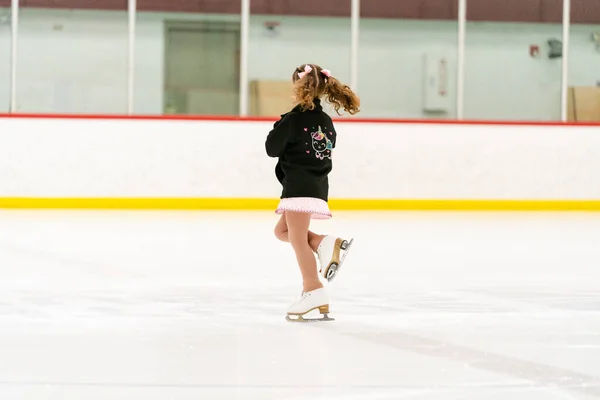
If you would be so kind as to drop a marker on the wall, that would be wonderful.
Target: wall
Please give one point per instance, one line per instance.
(84, 54)
(536, 11)
(187, 158)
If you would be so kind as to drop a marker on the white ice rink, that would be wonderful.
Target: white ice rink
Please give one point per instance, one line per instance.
(191, 305)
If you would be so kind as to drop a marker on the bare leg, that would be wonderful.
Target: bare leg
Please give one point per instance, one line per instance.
(298, 224)
(281, 233)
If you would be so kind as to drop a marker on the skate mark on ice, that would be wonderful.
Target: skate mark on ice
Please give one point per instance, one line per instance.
(575, 299)
(92, 268)
(542, 374)
(367, 386)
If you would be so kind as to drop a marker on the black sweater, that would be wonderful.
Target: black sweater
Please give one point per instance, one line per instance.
(303, 141)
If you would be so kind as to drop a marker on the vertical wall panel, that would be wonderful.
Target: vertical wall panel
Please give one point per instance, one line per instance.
(389, 9)
(507, 10)
(585, 11)
(437, 9)
(551, 11)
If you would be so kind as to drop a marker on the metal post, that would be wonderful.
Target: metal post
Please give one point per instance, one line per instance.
(132, 10)
(460, 79)
(13, 60)
(354, 42)
(244, 33)
(565, 60)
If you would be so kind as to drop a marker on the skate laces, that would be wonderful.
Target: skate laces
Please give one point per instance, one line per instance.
(303, 296)
(320, 248)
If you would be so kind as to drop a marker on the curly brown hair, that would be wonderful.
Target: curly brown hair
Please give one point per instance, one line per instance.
(315, 84)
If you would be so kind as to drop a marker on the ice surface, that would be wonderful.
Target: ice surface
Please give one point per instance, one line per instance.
(191, 305)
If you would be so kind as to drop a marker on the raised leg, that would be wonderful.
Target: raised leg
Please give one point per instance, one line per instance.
(281, 233)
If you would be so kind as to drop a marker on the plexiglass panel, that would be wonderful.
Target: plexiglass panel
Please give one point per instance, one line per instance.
(583, 97)
(5, 59)
(282, 37)
(72, 61)
(513, 60)
(187, 58)
(408, 59)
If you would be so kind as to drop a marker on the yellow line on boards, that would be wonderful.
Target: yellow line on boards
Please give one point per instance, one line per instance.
(250, 204)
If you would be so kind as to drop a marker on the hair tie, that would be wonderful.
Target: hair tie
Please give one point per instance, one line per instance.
(326, 72)
(307, 70)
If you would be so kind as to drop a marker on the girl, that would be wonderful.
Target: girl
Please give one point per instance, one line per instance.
(303, 140)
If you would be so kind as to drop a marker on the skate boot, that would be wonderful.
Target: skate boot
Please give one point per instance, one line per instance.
(309, 301)
(332, 252)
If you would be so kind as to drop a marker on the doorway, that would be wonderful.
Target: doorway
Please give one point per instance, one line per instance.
(202, 68)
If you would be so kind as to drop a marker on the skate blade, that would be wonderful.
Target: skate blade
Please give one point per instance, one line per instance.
(301, 319)
(323, 310)
(335, 266)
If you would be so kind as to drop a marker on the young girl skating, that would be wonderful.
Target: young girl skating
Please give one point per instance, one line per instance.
(303, 140)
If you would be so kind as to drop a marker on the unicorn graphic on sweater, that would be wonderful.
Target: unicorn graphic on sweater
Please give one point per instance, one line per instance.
(321, 144)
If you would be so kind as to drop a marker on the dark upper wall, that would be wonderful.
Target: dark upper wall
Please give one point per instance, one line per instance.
(583, 11)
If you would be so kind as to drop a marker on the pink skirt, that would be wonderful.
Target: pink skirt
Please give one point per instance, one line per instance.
(318, 208)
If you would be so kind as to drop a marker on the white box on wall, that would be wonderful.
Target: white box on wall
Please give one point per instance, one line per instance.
(436, 83)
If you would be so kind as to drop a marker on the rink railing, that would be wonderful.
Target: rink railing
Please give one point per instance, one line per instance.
(234, 118)
(219, 163)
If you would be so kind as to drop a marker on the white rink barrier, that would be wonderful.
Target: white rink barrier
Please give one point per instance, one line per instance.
(57, 157)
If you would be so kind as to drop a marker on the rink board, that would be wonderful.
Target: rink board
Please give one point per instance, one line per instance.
(104, 162)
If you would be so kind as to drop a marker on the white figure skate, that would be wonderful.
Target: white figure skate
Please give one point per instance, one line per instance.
(309, 301)
(332, 253)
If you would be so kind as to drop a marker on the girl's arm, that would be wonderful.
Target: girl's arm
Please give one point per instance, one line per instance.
(280, 119)
(279, 136)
